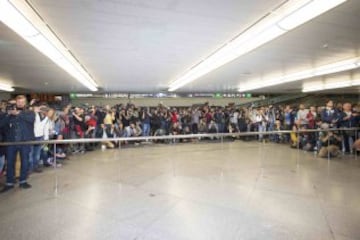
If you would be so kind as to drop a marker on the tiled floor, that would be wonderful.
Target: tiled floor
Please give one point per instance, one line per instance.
(236, 190)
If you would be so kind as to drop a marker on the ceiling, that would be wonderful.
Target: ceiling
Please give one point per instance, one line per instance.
(142, 45)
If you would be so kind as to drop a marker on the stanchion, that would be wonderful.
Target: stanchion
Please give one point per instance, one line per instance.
(328, 144)
(56, 177)
(298, 140)
(355, 148)
(298, 149)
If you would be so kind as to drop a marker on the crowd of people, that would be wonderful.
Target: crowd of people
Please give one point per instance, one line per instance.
(20, 121)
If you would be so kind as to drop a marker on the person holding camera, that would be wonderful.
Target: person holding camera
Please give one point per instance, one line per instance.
(145, 120)
(330, 144)
(41, 131)
(19, 126)
(2, 139)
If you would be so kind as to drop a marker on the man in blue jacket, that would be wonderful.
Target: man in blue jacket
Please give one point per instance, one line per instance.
(19, 126)
(330, 115)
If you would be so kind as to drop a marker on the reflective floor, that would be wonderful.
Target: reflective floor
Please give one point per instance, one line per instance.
(236, 190)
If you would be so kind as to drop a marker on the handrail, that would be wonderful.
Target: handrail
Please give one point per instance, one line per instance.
(171, 137)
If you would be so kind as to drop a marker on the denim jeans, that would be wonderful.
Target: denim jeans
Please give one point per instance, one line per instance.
(261, 128)
(11, 151)
(272, 137)
(34, 156)
(221, 127)
(146, 129)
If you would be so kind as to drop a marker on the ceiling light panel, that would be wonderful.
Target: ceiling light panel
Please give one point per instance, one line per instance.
(278, 22)
(6, 87)
(22, 19)
(332, 68)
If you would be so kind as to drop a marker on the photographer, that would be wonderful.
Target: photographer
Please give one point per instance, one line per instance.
(41, 131)
(19, 126)
(78, 128)
(330, 144)
(2, 139)
(145, 120)
(125, 117)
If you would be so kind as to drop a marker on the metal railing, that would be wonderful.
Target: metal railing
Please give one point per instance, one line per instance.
(172, 137)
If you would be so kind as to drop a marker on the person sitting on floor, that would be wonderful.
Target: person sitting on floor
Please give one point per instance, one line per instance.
(330, 144)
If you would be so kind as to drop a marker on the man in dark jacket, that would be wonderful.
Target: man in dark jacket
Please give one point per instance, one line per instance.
(348, 119)
(19, 126)
(2, 139)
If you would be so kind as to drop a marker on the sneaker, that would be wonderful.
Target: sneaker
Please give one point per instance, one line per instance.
(25, 186)
(6, 188)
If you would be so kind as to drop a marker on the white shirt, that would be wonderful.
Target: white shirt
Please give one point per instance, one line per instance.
(301, 115)
(41, 127)
(234, 118)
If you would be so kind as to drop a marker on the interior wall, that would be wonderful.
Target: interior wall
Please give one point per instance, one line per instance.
(152, 102)
(5, 96)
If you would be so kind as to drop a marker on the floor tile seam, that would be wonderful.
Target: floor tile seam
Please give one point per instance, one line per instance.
(28, 206)
(127, 167)
(199, 202)
(323, 211)
(121, 220)
(344, 236)
(57, 187)
(303, 196)
(84, 174)
(157, 219)
(134, 190)
(181, 200)
(113, 219)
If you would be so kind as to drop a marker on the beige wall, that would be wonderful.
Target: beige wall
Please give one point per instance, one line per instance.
(166, 101)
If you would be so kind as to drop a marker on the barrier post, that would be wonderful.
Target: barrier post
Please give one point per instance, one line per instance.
(356, 138)
(298, 140)
(56, 177)
(328, 144)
